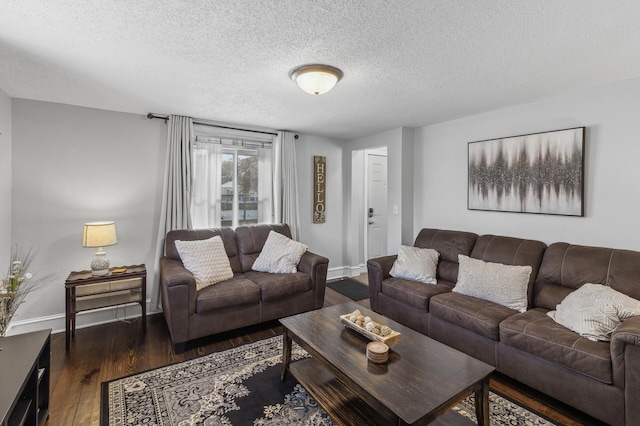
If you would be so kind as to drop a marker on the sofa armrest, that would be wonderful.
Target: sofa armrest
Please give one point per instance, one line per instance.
(173, 273)
(627, 333)
(316, 266)
(624, 336)
(625, 355)
(378, 270)
(178, 288)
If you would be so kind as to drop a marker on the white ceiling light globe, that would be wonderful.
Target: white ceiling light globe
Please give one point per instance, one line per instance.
(316, 79)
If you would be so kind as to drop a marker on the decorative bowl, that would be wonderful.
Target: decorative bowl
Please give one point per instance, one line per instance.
(390, 340)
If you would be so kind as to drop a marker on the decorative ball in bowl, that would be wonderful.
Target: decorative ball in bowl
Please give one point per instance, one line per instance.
(370, 329)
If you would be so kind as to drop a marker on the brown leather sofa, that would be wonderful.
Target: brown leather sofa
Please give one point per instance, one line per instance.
(248, 298)
(601, 379)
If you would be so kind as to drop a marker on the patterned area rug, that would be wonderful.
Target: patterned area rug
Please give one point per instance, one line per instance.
(241, 386)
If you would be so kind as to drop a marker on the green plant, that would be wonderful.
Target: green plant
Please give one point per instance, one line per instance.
(17, 285)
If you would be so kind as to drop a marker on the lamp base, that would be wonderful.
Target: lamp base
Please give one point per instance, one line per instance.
(100, 264)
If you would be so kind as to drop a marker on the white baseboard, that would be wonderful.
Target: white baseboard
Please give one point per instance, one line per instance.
(105, 315)
(346, 271)
(83, 319)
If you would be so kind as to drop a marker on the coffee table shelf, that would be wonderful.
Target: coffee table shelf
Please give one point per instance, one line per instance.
(346, 407)
(334, 397)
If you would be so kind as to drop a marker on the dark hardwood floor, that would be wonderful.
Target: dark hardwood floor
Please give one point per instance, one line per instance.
(118, 349)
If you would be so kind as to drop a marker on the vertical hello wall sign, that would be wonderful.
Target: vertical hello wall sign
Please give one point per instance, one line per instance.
(319, 188)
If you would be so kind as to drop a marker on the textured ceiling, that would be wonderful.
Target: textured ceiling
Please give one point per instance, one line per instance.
(406, 63)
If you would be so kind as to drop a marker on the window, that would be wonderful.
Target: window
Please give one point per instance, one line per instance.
(232, 181)
(239, 187)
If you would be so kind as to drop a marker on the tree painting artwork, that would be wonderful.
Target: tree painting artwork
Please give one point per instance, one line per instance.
(535, 173)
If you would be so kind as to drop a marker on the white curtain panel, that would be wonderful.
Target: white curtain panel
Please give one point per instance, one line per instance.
(286, 183)
(265, 186)
(205, 200)
(176, 195)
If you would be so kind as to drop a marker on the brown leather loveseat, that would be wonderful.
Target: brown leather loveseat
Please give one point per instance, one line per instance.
(599, 378)
(248, 298)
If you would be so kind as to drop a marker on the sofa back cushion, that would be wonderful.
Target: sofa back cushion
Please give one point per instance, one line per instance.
(566, 267)
(511, 251)
(227, 235)
(251, 239)
(449, 244)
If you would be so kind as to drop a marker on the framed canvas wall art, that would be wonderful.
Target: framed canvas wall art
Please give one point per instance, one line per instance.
(535, 173)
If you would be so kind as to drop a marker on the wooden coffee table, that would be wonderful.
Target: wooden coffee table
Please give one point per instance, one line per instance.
(421, 380)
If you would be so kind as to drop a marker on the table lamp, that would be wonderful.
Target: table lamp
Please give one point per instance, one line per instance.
(99, 234)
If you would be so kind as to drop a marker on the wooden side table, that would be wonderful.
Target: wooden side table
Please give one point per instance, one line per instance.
(84, 292)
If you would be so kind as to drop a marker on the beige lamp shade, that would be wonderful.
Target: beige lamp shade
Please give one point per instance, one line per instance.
(99, 234)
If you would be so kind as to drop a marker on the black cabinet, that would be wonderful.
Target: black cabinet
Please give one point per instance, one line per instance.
(25, 371)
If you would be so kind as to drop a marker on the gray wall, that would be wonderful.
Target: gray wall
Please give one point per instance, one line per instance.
(322, 238)
(5, 181)
(612, 198)
(73, 165)
(407, 186)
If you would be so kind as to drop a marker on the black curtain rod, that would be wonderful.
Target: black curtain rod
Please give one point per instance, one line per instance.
(165, 117)
(152, 115)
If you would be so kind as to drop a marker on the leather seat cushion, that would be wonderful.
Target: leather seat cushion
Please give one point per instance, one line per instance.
(277, 286)
(473, 314)
(413, 293)
(536, 333)
(236, 291)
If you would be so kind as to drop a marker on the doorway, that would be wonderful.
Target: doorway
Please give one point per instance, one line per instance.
(375, 203)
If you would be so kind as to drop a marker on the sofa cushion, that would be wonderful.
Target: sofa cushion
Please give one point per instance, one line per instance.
(565, 267)
(594, 311)
(537, 334)
(236, 291)
(228, 238)
(449, 244)
(413, 293)
(279, 255)
(277, 286)
(251, 239)
(503, 284)
(415, 263)
(473, 314)
(206, 260)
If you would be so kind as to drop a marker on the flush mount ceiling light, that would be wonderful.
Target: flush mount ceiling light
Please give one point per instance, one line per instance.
(316, 79)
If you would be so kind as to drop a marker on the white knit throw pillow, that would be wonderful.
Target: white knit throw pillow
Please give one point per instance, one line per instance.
(280, 255)
(505, 285)
(594, 311)
(207, 260)
(415, 263)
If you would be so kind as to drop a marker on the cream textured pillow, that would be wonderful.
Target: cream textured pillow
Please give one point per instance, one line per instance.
(594, 311)
(206, 259)
(415, 263)
(280, 255)
(505, 285)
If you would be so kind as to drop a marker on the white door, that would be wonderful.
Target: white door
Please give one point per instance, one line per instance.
(376, 205)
